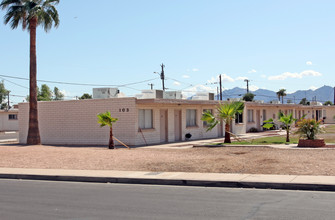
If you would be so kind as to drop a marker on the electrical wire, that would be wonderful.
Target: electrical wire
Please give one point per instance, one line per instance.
(80, 84)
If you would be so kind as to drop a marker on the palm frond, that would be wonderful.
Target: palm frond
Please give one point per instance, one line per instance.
(210, 119)
(106, 119)
(20, 12)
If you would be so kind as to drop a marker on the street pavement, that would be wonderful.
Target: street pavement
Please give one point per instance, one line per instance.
(289, 182)
(43, 200)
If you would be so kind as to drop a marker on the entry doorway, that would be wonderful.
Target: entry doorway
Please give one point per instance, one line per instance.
(258, 120)
(177, 125)
(220, 129)
(163, 126)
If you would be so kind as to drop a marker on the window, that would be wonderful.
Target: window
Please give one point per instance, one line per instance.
(264, 114)
(145, 118)
(250, 115)
(12, 117)
(239, 118)
(205, 124)
(191, 115)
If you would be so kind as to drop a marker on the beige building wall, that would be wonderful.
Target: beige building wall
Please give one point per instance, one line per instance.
(75, 122)
(329, 113)
(7, 124)
(153, 135)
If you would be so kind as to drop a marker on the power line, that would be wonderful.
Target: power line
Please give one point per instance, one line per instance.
(80, 84)
(14, 83)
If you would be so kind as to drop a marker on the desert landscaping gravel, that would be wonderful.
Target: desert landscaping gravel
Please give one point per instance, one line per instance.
(252, 160)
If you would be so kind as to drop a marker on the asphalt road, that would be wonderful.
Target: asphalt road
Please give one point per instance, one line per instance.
(67, 200)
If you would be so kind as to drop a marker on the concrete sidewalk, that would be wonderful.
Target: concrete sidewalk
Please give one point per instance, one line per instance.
(288, 182)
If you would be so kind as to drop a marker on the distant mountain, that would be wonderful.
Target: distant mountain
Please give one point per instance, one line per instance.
(322, 94)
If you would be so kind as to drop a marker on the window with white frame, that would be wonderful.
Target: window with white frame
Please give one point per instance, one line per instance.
(145, 118)
(191, 117)
(205, 123)
(250, 115)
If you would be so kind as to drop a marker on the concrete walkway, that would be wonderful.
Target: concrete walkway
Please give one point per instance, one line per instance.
(288, 182)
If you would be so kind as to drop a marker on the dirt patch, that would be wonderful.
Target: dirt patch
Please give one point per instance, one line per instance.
(253, 160)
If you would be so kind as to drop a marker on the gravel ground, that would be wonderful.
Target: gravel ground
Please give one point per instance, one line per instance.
(253, 160)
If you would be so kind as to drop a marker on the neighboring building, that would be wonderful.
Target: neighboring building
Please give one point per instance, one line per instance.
(149, 121)
(9, 120)
(259, 112)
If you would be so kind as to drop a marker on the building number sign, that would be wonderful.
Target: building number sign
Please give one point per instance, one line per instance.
(124, 110)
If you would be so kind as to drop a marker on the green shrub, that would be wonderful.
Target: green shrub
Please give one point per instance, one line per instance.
(309, 128)
(253, 129)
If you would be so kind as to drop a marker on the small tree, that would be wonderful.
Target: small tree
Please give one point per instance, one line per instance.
(86, 96)
(248, 97)
(45, 93)
(328, 103)
(304, 102)
(287, 121)
(225, 113)
(106, 119)
(3, 95)
(58, 95)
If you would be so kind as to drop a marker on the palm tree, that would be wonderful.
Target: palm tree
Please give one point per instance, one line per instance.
(281, 93)
(225, 113)
(286, 120)
(30, 14)
(106, 119)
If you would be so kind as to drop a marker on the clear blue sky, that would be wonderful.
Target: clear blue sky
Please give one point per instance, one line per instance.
(275, 44)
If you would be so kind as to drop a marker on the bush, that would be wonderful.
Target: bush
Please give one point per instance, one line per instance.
(253, 130)
(309, 128)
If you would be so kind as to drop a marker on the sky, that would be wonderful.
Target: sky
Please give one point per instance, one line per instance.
(286, 44)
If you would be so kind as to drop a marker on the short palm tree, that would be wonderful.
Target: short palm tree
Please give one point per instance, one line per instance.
(30, 14)
(106, 119)
(225, 113)
(281, 93)
(286, 120)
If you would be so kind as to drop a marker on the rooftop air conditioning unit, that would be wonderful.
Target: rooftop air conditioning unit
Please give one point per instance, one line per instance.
(105, 93)
(203, 96)
(150, 94)
(172, 95)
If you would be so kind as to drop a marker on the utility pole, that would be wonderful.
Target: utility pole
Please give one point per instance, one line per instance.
(220, 88)
(246, 80)
(163, 76)
(151, 86)
(8, 101)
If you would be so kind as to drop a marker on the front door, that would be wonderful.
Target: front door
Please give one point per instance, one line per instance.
(163, 125)
(258, 120)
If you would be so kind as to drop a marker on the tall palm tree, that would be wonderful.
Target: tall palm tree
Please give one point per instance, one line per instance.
(106, 119)
(30, 14)
(281, 93)
(225, 113)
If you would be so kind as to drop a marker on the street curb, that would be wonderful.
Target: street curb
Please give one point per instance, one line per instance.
(174, 182)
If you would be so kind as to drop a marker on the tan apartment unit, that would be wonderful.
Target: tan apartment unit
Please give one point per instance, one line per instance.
(147, 121)
(9, 120)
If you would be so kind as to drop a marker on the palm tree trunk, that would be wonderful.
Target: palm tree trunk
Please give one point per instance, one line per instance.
(287, 136)
(282, 100)
(227, 134)
(111, 141)
(33, 130)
